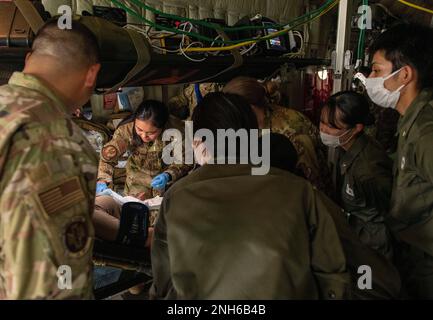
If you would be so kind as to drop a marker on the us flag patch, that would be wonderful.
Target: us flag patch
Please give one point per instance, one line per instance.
(62, 196)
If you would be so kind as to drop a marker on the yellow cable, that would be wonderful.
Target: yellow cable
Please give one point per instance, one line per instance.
(326, 10)
(270, 36)
(409, 4)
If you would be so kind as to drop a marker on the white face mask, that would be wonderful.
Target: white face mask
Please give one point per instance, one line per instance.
(201, 155)
(330, 140)
(377, 91)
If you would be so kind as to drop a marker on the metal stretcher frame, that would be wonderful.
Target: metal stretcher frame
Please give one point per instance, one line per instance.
(135, 263)
(128, 279)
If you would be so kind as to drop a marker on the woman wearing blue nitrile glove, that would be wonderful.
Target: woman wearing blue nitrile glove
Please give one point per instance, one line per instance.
(141, 136)
(160, 181)
(146, 174)
(100, 186)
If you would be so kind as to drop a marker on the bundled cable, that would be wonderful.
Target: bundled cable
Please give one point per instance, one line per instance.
(287, 28)
(308, 17)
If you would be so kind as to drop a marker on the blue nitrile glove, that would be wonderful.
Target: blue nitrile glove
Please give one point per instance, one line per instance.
(101, 186)
(160, 181)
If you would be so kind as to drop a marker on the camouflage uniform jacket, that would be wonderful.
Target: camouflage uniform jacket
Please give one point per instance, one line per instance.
(306, 140)
(48, 176)
(144, 163)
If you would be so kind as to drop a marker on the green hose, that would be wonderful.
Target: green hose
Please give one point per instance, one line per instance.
(293, 23)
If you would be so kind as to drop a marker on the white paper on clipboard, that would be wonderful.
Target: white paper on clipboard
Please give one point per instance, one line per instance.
(152, 204)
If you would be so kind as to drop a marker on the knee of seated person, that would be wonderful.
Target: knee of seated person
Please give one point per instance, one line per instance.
(107, 204)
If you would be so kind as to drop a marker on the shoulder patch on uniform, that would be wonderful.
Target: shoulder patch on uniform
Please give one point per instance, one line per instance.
(62, 196)
(109, 153)
(76, 237)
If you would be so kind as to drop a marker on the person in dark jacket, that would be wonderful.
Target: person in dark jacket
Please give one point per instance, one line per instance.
(362, 171)
(224, 233)
(401, 79)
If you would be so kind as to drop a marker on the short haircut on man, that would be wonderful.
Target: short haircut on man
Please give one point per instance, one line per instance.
(408, 44)
(77, 47)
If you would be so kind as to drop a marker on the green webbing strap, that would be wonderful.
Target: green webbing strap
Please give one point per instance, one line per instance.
(30, 13)
(143, 59)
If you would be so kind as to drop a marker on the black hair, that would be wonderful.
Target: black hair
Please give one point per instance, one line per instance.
(283, 153)
(354, 109)
(220, 110)
(408, 44)
(77, 46)
(152, 110)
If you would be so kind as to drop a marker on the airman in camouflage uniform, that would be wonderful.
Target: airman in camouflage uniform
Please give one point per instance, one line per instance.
(306, 140)
(48, 177)
(144, 163)
(48, 169)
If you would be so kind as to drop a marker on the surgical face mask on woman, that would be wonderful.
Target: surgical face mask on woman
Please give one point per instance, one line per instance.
(377, 91)
(333, 141)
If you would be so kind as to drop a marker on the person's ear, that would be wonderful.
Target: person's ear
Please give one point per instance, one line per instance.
(28, 55)
(92, 75)
(407, 74)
